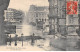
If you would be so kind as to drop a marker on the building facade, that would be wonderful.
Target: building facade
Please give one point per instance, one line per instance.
(63, 23)
(39, 16)
(13, 20)
(72, 20)
(13, 15)
(3, 6)
(57, 16)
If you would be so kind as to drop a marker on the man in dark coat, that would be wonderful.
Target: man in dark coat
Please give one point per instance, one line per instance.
(32, 39)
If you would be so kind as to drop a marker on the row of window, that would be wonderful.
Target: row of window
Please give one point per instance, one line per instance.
(38, 14)
(42, 19)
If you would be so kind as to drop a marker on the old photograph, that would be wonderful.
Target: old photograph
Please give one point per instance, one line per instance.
(39, 25)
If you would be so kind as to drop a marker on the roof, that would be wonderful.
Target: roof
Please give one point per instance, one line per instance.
(38, 8)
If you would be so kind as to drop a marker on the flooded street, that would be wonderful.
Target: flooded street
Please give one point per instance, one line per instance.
(39, 45)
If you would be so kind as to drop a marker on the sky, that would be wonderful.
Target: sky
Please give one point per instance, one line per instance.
(25, 4)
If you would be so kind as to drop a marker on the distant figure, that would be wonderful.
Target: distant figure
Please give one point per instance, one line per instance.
(10, 40)
(16, 40)
(33, 34)
(22, 38)
(7, 39)
(32, 39)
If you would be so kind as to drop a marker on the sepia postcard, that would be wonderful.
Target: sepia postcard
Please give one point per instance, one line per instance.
(39, 25)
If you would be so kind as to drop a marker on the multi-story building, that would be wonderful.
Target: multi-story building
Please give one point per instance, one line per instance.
(13, 15)
(9, 15)
(57, 16)
(38, 15)
(72, 22)
(61, 21)
(13, 20)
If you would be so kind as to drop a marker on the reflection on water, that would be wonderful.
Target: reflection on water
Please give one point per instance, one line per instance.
(26, 30)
